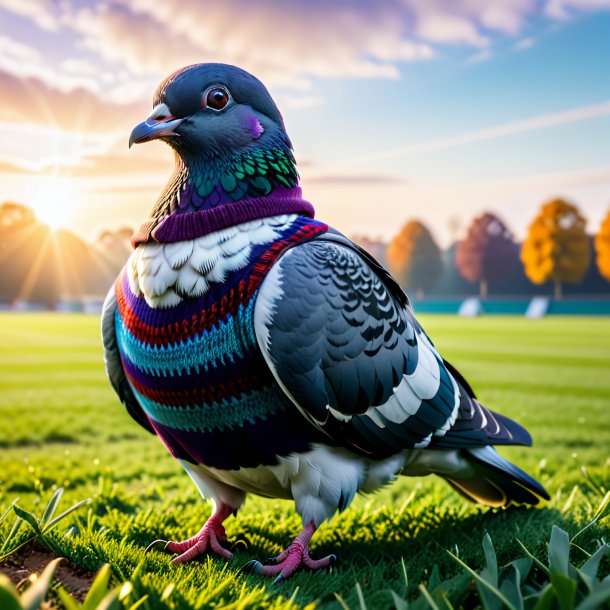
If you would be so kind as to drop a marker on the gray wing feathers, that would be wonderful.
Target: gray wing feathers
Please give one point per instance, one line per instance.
(343, 343)
(346, 353)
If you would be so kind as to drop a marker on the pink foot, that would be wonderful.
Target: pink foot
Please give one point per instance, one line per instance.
(208, 539)
(294, 557)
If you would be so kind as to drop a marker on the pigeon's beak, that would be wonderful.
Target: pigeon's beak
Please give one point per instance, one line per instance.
(159, 124)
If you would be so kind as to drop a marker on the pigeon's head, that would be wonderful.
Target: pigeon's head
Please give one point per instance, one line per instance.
(212, 110)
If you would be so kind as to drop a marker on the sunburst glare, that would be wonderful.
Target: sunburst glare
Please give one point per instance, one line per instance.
(55, 200)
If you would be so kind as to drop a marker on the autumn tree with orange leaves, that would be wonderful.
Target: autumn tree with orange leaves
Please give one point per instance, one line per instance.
(602, 248)
(557, 248)
(414, 258)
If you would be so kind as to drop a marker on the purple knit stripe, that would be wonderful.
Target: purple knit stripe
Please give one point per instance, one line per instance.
(189, 225)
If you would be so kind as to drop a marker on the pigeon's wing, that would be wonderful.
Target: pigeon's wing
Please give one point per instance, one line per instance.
(114, 366)
(344, 345)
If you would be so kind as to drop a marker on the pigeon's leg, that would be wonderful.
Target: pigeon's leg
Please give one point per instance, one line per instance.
(209, 538)
(294, 557)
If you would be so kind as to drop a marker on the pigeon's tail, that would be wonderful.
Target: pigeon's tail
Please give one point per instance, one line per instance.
(492, 480)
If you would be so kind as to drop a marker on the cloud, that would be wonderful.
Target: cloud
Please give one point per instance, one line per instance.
(33, 101)
(480, 57)
(352, 179)
(41, 12)
(285, 43)
(134, 40)
(561, 9)
(24, 61)
(524, 43)
(9, 167)
(90, 156)
(18, 51)
(566, 117)
(289, 43)
(467, 22)
(78, 65)
(551, 182)
(300, 102)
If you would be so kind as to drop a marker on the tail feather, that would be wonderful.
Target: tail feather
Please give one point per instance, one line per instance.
(493, 480)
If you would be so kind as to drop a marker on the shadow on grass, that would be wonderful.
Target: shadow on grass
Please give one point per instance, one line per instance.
(370, 550)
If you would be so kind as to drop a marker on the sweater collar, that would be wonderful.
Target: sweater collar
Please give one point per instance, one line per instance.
(190, 225)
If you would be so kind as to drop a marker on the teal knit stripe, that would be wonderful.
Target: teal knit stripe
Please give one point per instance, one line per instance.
(229, 340)
(220, 415)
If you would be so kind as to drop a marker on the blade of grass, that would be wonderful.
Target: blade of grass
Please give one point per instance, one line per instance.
(8, 510)
(36, 593)
(67, 600)
(404, 572)
(599, 514)
(538, 563)
(360, 597)
(483, 582)
(341, 601)
(28, 517)
(597, 599)
(591, 566)
(428, 597)
(10, 536)
(559, 551)
(51, 507)
(74, 507)
(99, 588)
(9, 598)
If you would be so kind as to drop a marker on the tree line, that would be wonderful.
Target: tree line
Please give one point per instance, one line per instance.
(556, 249)
(39, 265)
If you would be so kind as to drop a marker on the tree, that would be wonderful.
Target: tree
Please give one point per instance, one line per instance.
(602, 248)
(13, 215)
(487, 254)
(414, 258)
(557, 247)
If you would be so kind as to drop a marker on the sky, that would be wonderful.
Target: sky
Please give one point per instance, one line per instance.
(436, 110)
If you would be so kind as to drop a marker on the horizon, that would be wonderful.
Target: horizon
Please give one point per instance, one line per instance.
(430, 111)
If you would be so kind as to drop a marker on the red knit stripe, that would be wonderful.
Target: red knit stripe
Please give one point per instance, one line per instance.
(180, 330)
(198, 395)
(229, 304)
(260, 269)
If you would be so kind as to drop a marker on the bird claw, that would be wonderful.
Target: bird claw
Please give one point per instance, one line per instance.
(252, 567)
(285, 565)
(154, 543)
(294, 558)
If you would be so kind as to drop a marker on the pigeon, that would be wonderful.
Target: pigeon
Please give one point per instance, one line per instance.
(268, 352)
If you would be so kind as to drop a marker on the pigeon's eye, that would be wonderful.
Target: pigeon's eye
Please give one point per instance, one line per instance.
(217, 98)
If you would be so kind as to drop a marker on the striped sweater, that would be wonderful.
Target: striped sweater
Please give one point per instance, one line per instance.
(198, 373)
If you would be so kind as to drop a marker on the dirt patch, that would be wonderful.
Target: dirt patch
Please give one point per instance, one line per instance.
(33, 560)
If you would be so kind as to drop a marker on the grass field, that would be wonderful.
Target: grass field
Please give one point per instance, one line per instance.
(61, 425)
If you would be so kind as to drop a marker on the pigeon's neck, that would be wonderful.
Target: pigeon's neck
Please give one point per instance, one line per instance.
(214, 192)
(205, 183)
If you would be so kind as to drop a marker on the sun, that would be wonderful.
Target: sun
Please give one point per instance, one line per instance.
(55, 201)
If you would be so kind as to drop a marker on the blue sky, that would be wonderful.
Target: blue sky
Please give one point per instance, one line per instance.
(399, 109)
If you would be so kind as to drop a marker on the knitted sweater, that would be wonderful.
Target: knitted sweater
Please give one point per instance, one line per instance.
(198, 373)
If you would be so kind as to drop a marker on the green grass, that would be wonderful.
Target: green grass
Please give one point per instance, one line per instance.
(61, 425)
